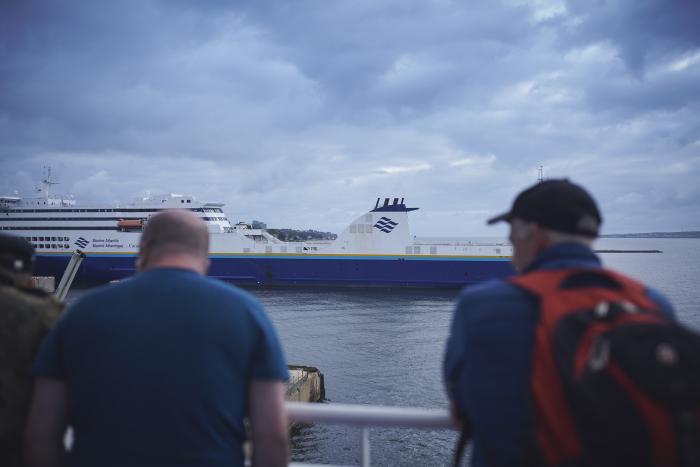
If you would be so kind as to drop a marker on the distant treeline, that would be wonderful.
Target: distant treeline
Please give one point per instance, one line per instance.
(291, 235)
(687, 234)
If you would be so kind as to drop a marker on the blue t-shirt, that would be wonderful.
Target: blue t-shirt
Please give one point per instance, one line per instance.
(488, 358)
(158, 368)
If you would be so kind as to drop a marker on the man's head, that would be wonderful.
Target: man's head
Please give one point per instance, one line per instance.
(175, 238)
(550, 212)
(16, 260)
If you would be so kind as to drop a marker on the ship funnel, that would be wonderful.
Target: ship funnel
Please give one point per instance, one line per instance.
(382, 230)
(389, 202)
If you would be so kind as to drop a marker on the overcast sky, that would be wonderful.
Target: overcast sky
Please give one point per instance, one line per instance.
(302, 113)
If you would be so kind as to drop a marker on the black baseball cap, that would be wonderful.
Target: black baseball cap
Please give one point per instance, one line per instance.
(15, 253)
(558, 205)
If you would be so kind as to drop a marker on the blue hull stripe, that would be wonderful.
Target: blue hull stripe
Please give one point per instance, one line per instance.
(310, 257)
(394, 271)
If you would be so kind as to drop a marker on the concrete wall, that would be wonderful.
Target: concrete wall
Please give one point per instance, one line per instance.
(306, 384)
(45, 283)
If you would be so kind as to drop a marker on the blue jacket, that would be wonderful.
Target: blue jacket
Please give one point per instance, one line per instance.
(488, 358)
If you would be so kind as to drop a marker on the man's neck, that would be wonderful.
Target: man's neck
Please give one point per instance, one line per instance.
(177, 262)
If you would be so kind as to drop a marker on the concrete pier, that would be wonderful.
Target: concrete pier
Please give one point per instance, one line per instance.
(306, 384)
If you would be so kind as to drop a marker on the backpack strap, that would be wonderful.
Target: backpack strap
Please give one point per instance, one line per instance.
(464, 435)
(562, 292)
(550, 283)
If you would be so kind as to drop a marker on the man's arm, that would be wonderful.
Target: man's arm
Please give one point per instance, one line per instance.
(268, 420)
(43, 436)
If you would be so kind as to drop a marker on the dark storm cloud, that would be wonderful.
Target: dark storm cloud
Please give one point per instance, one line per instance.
(270, 106)
(642, 30)
(132, 76)
(396, 55)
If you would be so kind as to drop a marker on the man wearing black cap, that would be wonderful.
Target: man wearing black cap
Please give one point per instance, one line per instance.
(488, 360)
(26, 315)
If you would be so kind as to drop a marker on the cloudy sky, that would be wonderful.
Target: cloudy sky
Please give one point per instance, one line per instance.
(302, 113)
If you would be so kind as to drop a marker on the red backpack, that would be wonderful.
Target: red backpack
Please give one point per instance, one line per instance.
(615, 382)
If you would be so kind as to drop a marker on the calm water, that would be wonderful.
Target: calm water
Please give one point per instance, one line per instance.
(385, 347)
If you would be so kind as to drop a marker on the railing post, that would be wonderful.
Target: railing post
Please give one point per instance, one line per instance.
(69, 275)
(365, 447)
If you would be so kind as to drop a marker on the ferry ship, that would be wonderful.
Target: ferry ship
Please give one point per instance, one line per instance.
(376, 249)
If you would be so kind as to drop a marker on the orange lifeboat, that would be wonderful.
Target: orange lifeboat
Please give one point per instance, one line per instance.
(130, 224)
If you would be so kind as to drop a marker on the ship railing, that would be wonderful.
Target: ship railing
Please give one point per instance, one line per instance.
(461, 243)
(366, 417)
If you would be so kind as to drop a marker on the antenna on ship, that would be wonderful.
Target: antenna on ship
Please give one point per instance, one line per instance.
(47, 182)
(540, 174)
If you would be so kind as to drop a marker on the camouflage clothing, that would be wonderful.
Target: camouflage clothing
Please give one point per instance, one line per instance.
(26, 315)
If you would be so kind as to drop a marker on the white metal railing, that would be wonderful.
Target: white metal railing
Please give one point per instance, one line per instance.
(367, 416)
(69, 275)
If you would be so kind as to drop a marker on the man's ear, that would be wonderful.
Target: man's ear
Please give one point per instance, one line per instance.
(142, 259)
(539, 237)
(519, 230)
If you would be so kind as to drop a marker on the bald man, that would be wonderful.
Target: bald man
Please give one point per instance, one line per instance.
(161, 369)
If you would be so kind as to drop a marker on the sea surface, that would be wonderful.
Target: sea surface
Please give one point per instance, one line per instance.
(385, 347)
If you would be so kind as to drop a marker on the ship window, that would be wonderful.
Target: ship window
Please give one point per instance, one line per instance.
(65, 239)
(53, 245)
(34, 239)
(66, 246)
(189, 201)
(368, 228)
(409, 250)
(182, 200)
(416, 250)
(53, 239)
(433, 250)
(353, 228)
(246, 250)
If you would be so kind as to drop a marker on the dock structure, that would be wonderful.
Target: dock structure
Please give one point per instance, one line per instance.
(306, 384)
(46, 283)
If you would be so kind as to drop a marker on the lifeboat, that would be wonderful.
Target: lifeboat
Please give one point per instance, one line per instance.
(126, 225)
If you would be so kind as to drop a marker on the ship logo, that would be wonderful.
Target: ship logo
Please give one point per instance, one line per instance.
(82, 242)
(386, 225)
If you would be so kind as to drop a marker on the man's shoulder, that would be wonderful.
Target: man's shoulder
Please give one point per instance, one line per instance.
(229, 293)
(220, 294)
(32, 301)
(494, 300)
(493, 291)
(661, 300)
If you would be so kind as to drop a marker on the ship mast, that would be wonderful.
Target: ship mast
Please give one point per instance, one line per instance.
(47, 182)
(540, 174)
